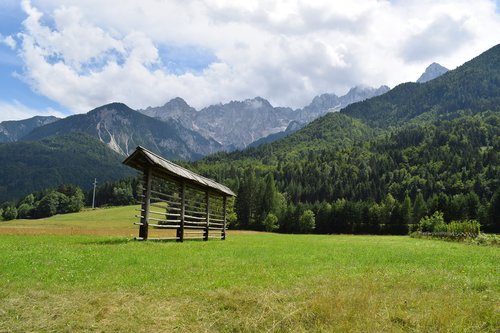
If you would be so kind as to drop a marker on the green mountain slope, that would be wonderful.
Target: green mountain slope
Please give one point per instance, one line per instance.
(439, 141)
(74, 158)
(474, 86)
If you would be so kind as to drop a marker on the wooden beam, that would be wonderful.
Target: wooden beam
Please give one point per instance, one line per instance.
(224, 206)
(207, 213)
(143, 228)
(180, 231)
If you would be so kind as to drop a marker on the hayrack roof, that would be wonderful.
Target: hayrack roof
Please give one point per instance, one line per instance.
(142, 159)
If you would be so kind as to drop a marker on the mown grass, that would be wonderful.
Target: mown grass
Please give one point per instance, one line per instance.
(250, 282)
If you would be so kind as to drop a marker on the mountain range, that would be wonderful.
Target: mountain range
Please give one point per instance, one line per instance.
(175, 131)
(237, 124)
(122, 129)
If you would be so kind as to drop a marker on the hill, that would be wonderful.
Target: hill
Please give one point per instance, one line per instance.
(13, 130)
(123, 129)
(72, 158)
(474, 87)
(435, 142)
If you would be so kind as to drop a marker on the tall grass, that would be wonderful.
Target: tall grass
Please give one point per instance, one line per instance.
(249, 283)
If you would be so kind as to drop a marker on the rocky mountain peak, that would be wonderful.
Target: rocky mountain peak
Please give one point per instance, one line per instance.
(432, 71)
(177, 103)
(258, 102)
(111, 107)
(362, 92)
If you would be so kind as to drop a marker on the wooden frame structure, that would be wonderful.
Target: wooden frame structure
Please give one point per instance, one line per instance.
(176, 198)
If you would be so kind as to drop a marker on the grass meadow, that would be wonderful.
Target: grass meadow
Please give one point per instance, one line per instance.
(84, 272)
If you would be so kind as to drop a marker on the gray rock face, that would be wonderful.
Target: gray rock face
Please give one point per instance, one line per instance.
(122, 129)
(325, 103)
(238, 123)
(13, 130)
(433, 71)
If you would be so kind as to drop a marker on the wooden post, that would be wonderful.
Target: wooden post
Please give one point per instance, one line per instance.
(180, 230)
(143, 228)
(207, 213)
(224, 205)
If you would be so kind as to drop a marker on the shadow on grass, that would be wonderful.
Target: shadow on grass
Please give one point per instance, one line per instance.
(113, 241)
(119, 241)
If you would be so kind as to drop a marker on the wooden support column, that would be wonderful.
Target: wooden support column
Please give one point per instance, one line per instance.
(180, 230)
(224, 205)
(207, 213)
(143, 228)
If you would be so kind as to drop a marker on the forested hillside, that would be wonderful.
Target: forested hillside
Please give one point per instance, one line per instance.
(474, 87)
(381, 164)
(74, 158)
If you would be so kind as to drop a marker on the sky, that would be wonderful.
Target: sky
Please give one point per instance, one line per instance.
(65, 57)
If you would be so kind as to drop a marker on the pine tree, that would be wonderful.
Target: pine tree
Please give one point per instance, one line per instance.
(246, 200)
(268, 199)
(419, 208)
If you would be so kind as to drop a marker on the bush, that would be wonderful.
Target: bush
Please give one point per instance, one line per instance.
(307, 221)
(24, 211)
(487, 239)
(464, 229)
(433, 223)
(271, 222)
(9, 213)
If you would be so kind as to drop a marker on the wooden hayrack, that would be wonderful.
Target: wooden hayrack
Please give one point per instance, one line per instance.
(176, 198)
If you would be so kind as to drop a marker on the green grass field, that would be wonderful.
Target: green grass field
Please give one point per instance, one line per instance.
(83, 272)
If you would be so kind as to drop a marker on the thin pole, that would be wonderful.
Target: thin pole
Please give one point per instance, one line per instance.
(207, 213)
(93, 195)
(224, 209)
(180, 230)
(143, 229)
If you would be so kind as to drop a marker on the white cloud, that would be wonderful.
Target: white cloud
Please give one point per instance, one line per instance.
(15, 110)
(86, 53)
(9, 41)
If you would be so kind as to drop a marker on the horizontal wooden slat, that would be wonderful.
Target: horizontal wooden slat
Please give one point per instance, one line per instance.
(195, 223)
(165, 226)
(192, 227)
(164, 207)
(195, 217)
(164, 220)
(167, 201)
(194, 211)
(166, 195)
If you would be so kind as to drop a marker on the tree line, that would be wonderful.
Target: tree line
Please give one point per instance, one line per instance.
(260, 206)
(369, 185)
(70, 198)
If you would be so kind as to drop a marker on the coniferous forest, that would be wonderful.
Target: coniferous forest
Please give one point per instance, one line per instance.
(380, 165)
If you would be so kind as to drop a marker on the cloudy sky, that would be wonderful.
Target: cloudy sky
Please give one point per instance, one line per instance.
(63, 57)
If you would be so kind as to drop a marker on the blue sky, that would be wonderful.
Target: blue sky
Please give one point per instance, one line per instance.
(65, 57)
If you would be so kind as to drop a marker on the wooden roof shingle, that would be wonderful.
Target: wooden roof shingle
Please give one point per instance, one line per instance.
(141, 159)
